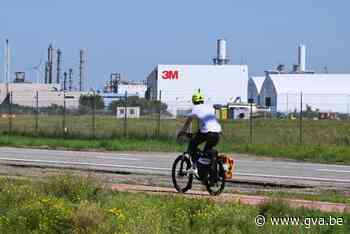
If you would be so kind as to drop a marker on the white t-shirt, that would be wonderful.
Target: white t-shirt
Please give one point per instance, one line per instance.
(207, 118)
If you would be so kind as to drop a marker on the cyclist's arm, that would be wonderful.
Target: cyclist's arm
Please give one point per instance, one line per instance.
(187, 124)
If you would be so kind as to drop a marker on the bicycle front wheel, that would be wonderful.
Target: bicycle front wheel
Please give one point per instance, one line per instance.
(181, 176)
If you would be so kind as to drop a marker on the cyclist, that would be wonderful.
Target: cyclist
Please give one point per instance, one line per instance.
(209, 127)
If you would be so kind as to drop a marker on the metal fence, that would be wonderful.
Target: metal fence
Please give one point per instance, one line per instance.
(309, 119)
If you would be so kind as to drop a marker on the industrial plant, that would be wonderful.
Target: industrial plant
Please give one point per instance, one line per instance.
(54, 90)
(282, 90)
(221, 82)
(224, 85)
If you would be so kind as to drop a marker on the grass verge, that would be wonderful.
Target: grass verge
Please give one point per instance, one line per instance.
(311, 153)
(75, 204)
(327, 196)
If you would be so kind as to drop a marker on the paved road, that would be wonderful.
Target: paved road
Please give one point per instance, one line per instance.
(247, 168)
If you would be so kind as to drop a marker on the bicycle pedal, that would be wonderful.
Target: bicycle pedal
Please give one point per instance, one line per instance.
(193, 171)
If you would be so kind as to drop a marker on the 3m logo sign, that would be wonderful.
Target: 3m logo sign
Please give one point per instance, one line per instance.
(170, 75)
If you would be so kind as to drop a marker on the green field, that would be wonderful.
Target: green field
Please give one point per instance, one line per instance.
(264, 131)
(322, 140)
(73, 204)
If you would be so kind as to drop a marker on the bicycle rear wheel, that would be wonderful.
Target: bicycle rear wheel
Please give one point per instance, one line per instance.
(181, 177)
(215, 179)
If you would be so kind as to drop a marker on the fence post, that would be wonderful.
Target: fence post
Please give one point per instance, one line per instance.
(94, 115)
(36, 112)
(251, 124)
(159, 112)
(10, 113)
(64, 115)
(287, 111)
(347, 107)
(125, 114)
(301, 120)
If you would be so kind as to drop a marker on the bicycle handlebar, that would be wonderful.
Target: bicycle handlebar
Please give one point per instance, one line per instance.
(186, 134)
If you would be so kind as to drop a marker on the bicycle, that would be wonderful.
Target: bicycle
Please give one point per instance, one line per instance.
(212, 174)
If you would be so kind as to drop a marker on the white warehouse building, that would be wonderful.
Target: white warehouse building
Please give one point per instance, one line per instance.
(175, 84)
(326, 92)
(24, 94)
(254, 86)
(285, 91)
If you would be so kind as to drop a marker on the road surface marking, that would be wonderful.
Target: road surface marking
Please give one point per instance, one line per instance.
(126, 157)
(83, 164)
(293, 177)
(109, 157)
(328, 170)
(168, 169)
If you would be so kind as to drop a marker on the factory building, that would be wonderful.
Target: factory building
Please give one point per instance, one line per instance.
(284, 91)
(326, 92)
(220, 83)
(135, 89)
(175, 84)
(24, 94)
(254, 86)
(118, 86)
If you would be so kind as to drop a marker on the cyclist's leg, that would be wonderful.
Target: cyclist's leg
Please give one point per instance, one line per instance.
(212, 139)
(194, 143)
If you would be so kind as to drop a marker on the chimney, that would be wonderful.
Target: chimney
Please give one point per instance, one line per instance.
(59, 54)
(221, 58)
(302, 58)
(81, 70)
(50, 58)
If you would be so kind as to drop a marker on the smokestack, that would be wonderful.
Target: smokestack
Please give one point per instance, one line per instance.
(221, 49)
(46, 71)
(70, 79)
(302, 58)
(64, 81)
(49, 58)
(221, 57)
(59, 54)
(81, 70)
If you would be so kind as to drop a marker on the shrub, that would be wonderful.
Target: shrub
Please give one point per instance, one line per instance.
(72, 187)
(45, 215)
(87, 218)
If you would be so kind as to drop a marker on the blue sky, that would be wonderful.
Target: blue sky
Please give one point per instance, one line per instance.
(132, 36)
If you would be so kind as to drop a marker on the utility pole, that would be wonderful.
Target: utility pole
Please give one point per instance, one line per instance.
(7, 65)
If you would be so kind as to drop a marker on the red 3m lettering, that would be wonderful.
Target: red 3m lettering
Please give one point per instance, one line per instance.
(170, 75)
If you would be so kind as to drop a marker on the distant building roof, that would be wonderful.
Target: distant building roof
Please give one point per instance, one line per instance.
(311, 83)
(258, 81)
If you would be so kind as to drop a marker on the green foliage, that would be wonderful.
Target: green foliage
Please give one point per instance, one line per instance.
(310, 113)
(88, 217)
(31, 207)
(71, 187)
(90, 102)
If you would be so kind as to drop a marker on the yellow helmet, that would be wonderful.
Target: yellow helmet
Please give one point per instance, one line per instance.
(198, 97)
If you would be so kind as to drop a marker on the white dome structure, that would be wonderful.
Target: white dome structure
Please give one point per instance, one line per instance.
(254, 86)
(326, 92)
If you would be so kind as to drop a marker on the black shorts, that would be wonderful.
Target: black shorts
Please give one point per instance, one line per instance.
(211, 139)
